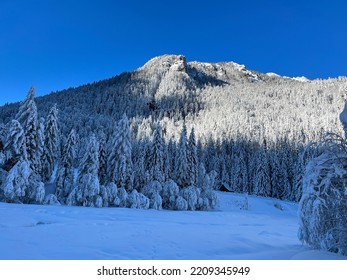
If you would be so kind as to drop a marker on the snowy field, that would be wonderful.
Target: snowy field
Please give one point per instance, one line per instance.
(267, 230)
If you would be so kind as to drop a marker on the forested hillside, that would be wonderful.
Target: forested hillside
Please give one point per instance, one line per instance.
(165, 135)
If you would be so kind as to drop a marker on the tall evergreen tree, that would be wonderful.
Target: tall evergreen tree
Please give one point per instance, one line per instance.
(15, 145)
(120, 165)
(87, 191)
(240, 172)
(40, 146)
(90, 161)
(276, 175)
(102, 161)
(2, 136)
(287, 187)
(27, 117)
(192, 157)
(167, 163)
(140, 177)
(156, 157)
(51, 147)
(181, 160)
(262, 177)
(65, 174)
(299, 169)
(21, 184)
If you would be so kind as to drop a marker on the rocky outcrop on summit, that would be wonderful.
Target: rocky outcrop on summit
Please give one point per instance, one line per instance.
(180, 64)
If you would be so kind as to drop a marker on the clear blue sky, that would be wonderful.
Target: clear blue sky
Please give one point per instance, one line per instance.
(55, 44)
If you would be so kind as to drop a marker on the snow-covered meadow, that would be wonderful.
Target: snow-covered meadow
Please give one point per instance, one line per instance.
(266, 230)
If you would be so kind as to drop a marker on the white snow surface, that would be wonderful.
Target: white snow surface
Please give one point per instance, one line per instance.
(267, 230)
(301, 79)
(271, 74)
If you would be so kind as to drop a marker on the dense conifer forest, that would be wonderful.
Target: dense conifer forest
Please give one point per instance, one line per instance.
(169, 134)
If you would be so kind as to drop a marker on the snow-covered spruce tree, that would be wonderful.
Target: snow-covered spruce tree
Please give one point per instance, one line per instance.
(280, 182)
(299, 169)
(65, 174)
(87, 190)
(17, 182)
(287, 186)
(171, 152)
(3, 131)
(15, 147)
(201, 175)
(120, 166)
(276, 175)
(21, 184)
(207, 197)
(51, 143)
(323, 206)
(156, 156)
(140, 165)
(181, 160)
(262, 182)
(236, 178)
(109, 195)
(40, 146)
(27, 117)
(242, 161)
(167, 163)
(192, 157)
(102, 161)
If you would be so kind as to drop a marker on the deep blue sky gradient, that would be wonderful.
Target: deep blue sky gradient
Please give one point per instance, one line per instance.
(55, 44)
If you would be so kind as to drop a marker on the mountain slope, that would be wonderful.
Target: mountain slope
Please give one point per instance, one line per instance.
(214, 97)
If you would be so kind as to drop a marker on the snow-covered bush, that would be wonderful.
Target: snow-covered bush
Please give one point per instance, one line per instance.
(108, 194)
(17, 182)
(22, 185)
(191, 195)
(37, 191)
(156, 202)
(323, 206)
(180, 204)
(137, 200)
(121, 198)
(89, 189)
(152, 191)
(152, 188)
(98, 201)
(169, 194)
(208, 200)
(51, 199)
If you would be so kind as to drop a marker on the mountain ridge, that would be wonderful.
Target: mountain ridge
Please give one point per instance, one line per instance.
(169, 87)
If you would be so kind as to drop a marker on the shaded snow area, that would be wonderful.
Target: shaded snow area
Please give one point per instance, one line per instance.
(266, 230)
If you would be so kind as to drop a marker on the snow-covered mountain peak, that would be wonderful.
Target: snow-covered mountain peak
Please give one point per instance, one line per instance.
(167, 62)
(271, 74)
(301, 79)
